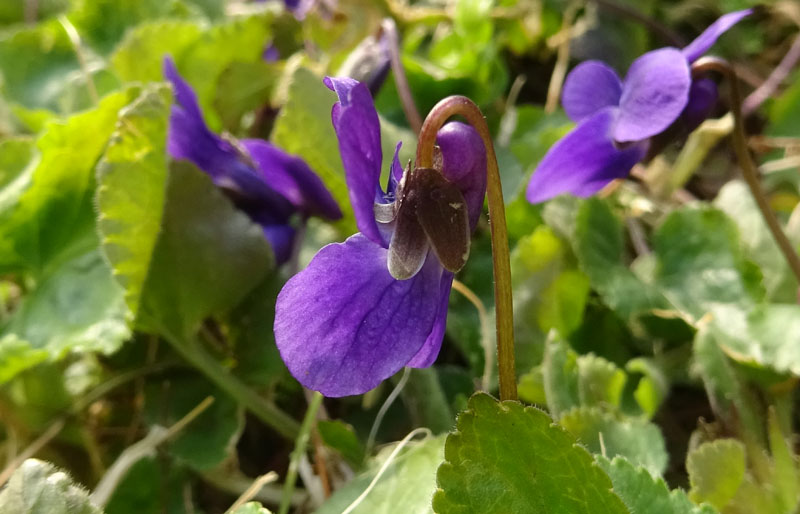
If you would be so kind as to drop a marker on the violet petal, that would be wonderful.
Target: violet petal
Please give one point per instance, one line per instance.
(583, 161)
(654, 94)
(702, 99)
(464, 163)
(293, 179)
(358, 130)
(430, 350)
(281, 239)
(188, 137)
(344, 324)
(706, 40)
(589, 87)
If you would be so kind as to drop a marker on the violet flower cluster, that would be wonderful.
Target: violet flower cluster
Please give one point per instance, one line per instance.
(617, 118)
(345, 323)
(276, 190)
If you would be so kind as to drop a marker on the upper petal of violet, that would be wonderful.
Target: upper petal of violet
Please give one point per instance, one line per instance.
(654, 93)
(583, 161)
(358, 130)
(344, 324)
(293, 179)
(706, 40)
(189, 138)
(589, 87)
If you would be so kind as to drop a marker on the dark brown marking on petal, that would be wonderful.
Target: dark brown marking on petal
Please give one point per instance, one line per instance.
(409, 245)
(442, 213)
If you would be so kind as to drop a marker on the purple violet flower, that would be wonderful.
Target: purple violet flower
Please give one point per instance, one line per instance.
(269, 185)
(345, 323)
(617, 118)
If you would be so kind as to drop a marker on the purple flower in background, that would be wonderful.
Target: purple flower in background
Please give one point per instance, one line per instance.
(616, 118)
(265, 182)
(347, 322)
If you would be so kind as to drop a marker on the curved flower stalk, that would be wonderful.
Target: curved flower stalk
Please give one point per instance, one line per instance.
(618, 118)
(365, 308)
(271, 186)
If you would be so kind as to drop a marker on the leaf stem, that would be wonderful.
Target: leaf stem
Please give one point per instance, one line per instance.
(441, 112)
(193, 352)
(749, 169)
(300, 445)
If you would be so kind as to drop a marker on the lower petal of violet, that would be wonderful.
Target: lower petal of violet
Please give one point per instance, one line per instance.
(584, 161)
(344, 324)
(293, 179)
(430, 350)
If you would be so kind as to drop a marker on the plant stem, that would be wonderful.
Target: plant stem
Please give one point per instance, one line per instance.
(400, 80)
(300, 445)
(486, 336)
(749, 169)
(193, 352)
(441, 112)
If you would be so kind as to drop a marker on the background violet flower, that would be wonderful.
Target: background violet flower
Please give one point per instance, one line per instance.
(265, 182)
(616, 118)
(345, 323)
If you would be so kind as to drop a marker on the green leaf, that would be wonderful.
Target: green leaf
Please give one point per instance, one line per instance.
(13, 11)
(104, 22)
(563, 302)
(737, 202)
(202, 56)
(244, 87)
(304, 127)
(785, 472)
(599, 245)
(341, 437)
(132, 177)
(406, 486)
(766, 336)
(77, 308)
(600, 382)
(652, 388)
(784, 113)
(636, 439)
(560, 371)
(508, 458)
(202, 64)
(33, 64)
(208, 440)
(37, 487)
(207, 257)
(641, 492)
(724, 385)
(56, 209)
(251, 508)
(150, 487)
(716, 471)
(140, 55)
(15, 155)
(17, 355)
(701, 264)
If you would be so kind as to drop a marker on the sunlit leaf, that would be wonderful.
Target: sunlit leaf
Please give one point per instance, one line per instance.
(504, 457)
